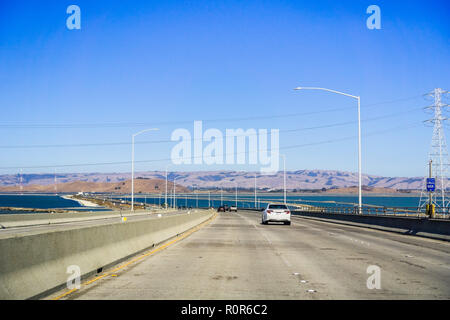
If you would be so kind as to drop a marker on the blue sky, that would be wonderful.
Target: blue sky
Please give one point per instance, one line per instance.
(166, 62)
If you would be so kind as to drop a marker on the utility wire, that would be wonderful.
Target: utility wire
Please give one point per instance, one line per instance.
(338, 124)
(7, 125)
(234, 153)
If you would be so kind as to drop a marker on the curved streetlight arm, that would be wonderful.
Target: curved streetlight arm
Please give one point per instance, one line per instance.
(359, 136)
(145, 130)
(329, 90)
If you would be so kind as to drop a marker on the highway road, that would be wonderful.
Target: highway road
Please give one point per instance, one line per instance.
(236, 257)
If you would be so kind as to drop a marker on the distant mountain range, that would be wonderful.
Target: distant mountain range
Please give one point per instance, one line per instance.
(298, 180)
(140, 186)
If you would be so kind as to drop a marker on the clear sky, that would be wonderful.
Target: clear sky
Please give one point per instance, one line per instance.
(140, 64)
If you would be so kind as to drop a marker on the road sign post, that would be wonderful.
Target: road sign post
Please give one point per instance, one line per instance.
(431, 187)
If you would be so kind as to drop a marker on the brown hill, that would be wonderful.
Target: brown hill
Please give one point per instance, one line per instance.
(299, 179)
(365, 189)
(140, 186)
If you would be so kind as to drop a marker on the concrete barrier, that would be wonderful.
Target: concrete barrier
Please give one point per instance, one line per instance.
(430, 228)
(33, 266)
(40, 219)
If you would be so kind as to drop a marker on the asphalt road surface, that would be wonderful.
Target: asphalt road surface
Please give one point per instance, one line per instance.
(236, 257)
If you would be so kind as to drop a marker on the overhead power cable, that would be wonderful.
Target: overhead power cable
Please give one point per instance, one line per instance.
(77, 145)
(234, 153)
(10, 125)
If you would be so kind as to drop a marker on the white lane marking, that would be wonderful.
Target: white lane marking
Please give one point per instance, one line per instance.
(264, 235)
(286, 262)
(356, 240)
(339, 235)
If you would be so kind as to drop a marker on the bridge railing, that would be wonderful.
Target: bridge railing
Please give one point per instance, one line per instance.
(381, 211)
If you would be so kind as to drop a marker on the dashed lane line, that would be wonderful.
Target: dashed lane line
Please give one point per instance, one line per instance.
(112, 273)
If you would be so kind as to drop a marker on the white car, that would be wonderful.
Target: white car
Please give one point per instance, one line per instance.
(276, 213)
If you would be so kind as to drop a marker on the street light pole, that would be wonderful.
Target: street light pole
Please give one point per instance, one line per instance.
(284, 176)
(359, 137)
(174, 193)
(255, 190)
(196, 194)
(236, 195)
(132, 163)
(165, 203)
(359, 158)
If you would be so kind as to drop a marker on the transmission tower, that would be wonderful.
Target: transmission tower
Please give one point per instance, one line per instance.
(438, 157)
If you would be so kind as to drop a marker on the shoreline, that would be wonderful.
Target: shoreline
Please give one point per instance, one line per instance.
(84, 203)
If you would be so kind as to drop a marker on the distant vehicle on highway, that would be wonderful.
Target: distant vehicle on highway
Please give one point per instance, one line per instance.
(224, 208)
(233, 208)
(276, 213)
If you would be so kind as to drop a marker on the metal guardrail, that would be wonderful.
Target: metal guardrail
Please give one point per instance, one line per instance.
(381, 211)
(340, 209)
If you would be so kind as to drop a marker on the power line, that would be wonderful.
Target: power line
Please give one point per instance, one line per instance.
(234, 153)
(138, 124)
(163, 123)
(338, 124)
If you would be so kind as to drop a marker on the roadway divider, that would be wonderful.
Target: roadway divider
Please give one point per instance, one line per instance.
(35, 265)
(41, 219)
(430, 228)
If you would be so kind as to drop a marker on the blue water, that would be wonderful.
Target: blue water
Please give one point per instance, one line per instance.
(36, 201)
(40, 201)
(248, 200)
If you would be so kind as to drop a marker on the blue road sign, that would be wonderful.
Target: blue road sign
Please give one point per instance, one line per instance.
(431, 184)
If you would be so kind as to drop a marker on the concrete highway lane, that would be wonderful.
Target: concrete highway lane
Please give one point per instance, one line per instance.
(236, 257)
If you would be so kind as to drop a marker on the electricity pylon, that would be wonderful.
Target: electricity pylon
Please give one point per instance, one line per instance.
(438, 157)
